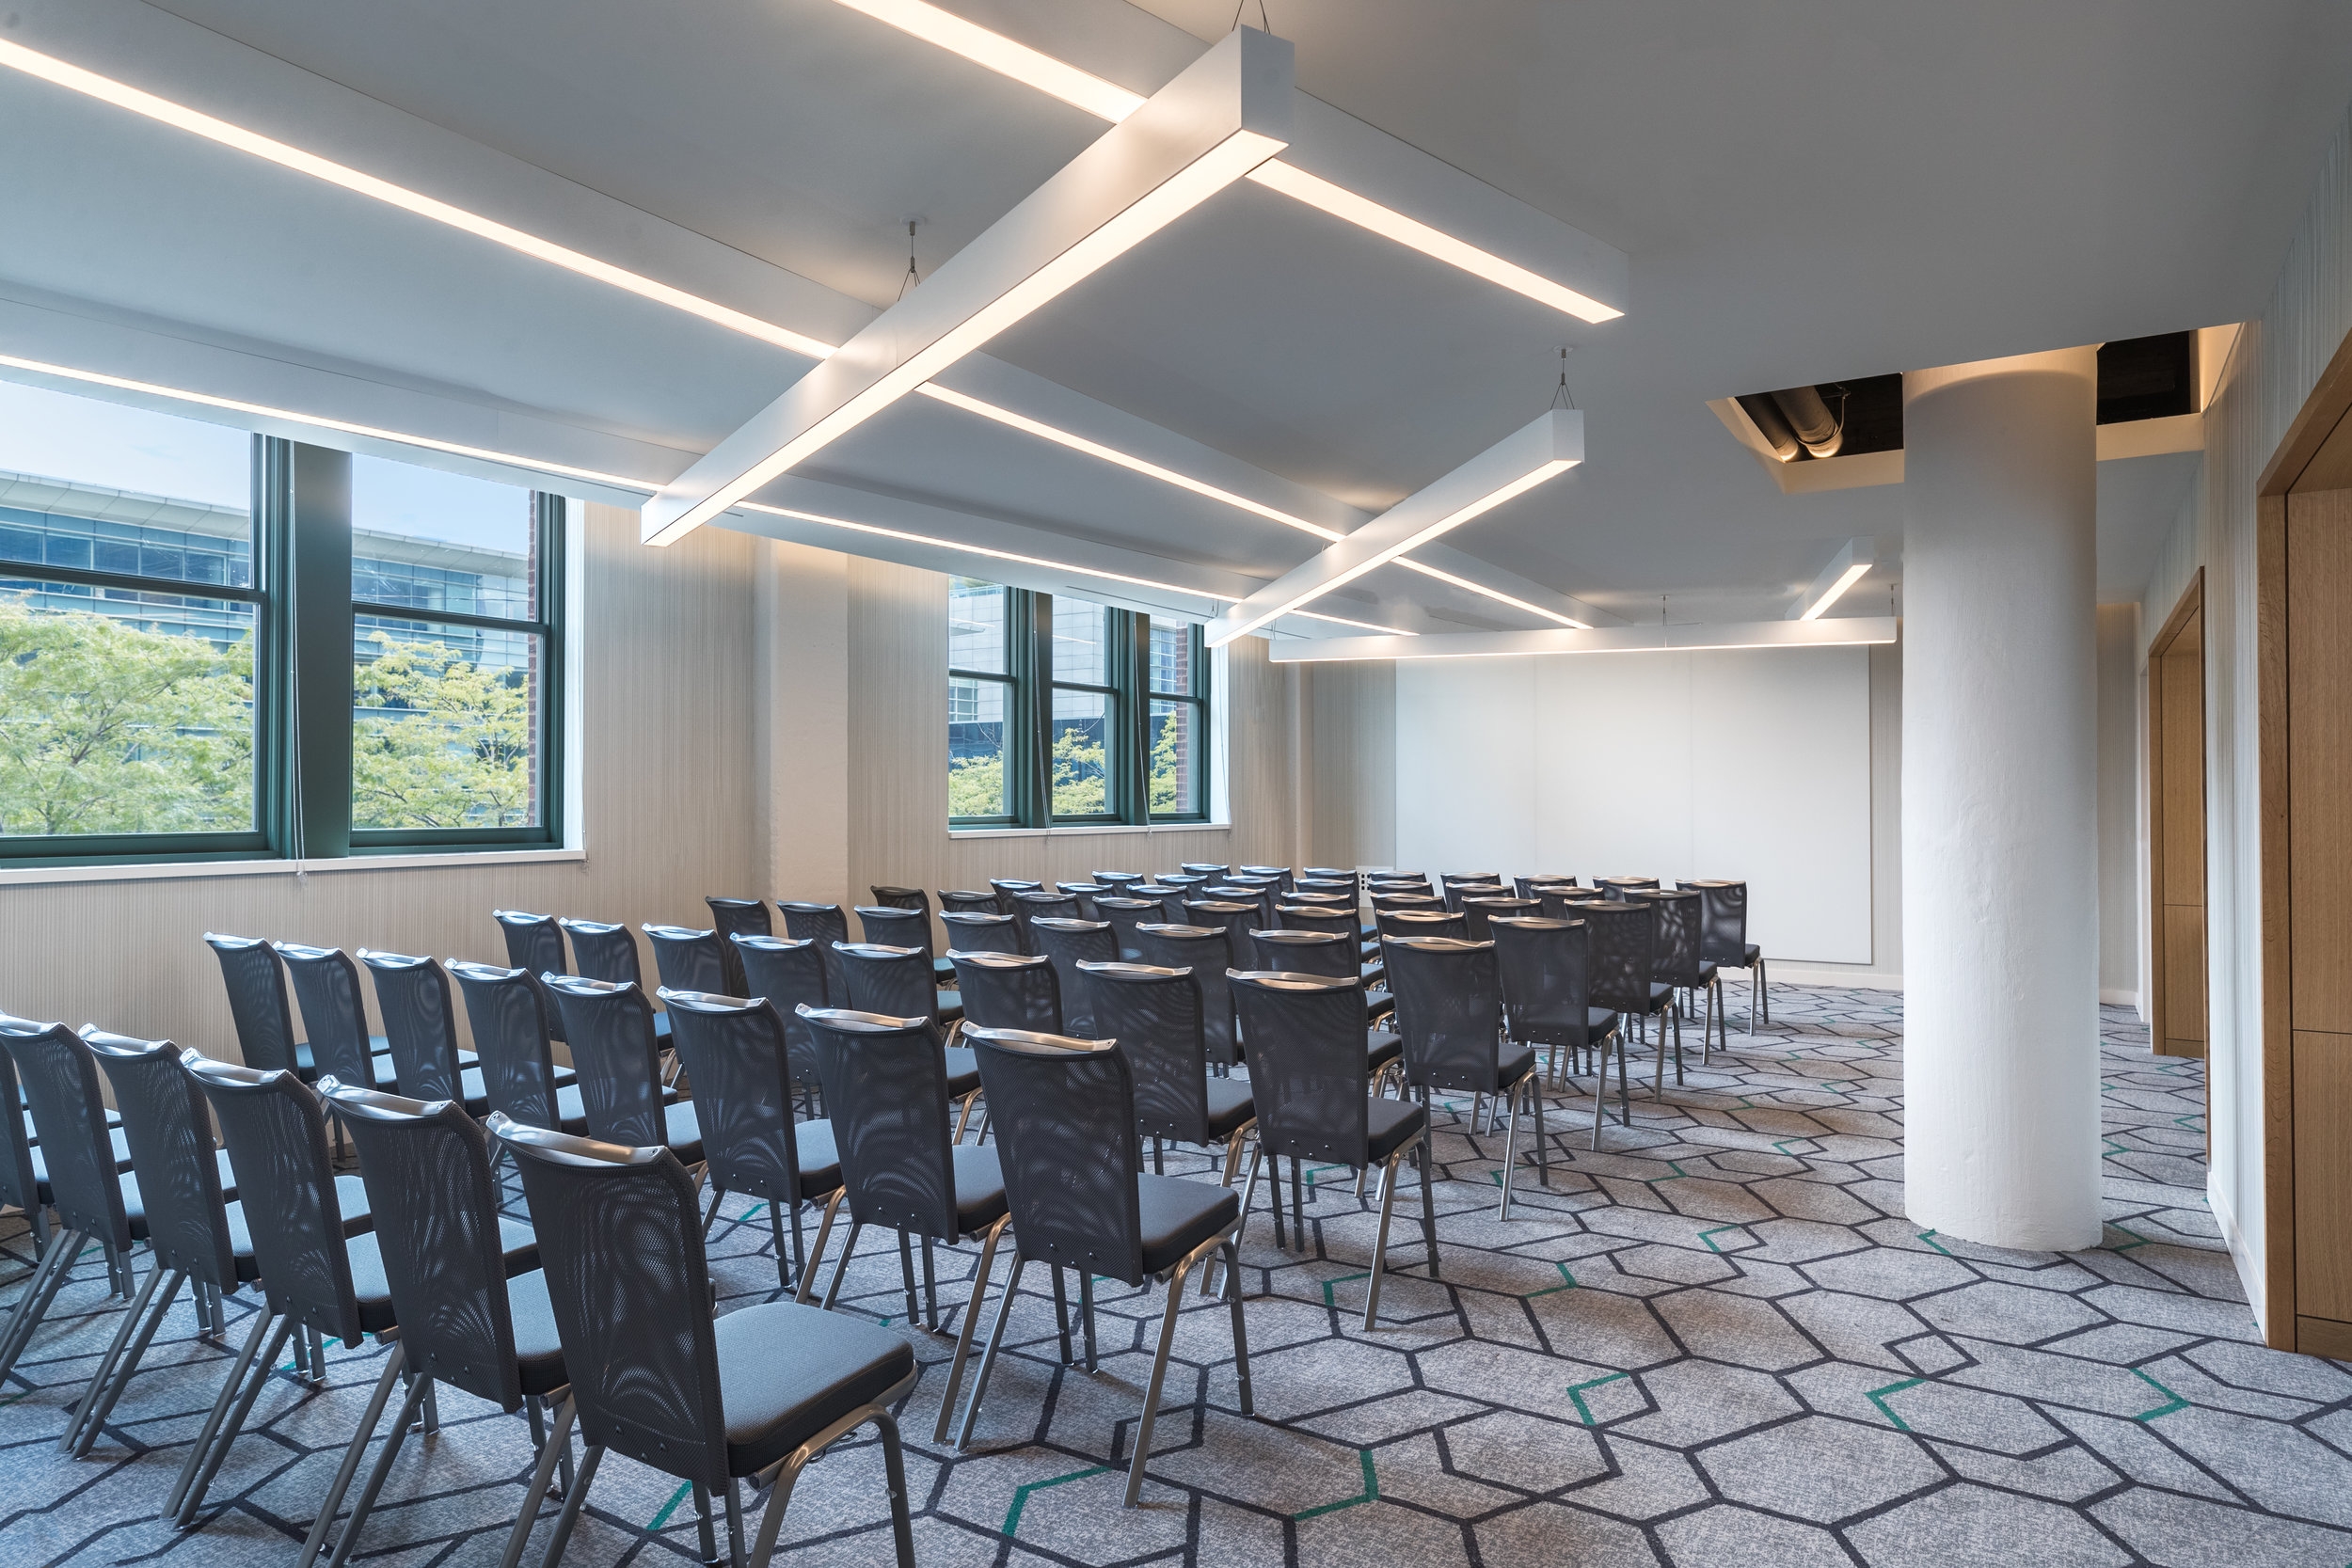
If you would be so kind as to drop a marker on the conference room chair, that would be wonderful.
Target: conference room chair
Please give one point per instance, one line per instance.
(1115, 880)
(962, 901)
(1328, 873)
(1548, 1003)
(1281, 874)
(738, 917)
(466, 1318)
(420, 1011)
(1182, 880)
(610, 1030)
(1235, 915)
(1408, 898)
(738, 1055)
(255, 977)
(1617, 887)
(687, 959)
(895, 982)
(1086, 894)
(1005, 887)
(1328, 918)
(1679, 965)
(1156, 1014)
(1723, 940)
(24, 1173)
(974, 931)
(1010, 991)
(1028, 903)
(1333, 953)
(757, 1395)
(1124, 915)
(788, 974)
(1449, 1010)
(334, 1019)
(1065, 1111)
(314, 1275)
(1477, 911)
(1261, 898)
(1170, 898)
(1420, 923)
(510, 1011)
(1562, 901)
(1529, 887)
(1624, 972)
(603, 950)
(1305, 1034)
(900, 1170)
(533, 942)
(895, 925)
(1209, 952)
(1070, 944)
(1202, 868)
(824, 925)
(1460, 885)
(891, 897)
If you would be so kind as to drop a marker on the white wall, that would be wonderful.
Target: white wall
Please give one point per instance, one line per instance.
(1748, 764)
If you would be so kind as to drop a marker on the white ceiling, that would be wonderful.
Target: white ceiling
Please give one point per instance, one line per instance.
(1806, 191)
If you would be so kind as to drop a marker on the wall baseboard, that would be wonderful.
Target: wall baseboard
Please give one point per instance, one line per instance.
(1860, 976)
(2249, 1268)
(2119, 998)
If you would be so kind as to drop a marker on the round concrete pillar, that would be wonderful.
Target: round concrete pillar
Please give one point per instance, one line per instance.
(1999, 809)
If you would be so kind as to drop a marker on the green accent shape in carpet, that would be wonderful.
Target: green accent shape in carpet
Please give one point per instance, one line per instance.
(1021, 1494)
(1576, 1395)
(1880, 1395)
(1370, 1493)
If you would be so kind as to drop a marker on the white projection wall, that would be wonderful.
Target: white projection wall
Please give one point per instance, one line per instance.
(1751, 765)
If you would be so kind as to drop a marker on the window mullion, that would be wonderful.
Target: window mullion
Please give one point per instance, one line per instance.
(315, 503)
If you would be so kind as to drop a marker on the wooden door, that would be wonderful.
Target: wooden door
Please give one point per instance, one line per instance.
(2176, 811)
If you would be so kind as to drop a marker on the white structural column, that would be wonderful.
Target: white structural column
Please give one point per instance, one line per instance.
(2000, 805)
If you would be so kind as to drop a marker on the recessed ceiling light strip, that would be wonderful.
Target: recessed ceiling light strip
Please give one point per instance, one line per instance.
(1495, 593)
(1850, 565)
(196, 122)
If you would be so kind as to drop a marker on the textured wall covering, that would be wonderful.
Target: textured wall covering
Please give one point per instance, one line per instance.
(2277, 361)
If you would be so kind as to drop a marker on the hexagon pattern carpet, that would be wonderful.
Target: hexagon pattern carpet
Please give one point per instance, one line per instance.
(1716, 1341)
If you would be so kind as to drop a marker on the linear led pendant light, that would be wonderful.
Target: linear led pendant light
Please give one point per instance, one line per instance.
(1552, 444)
(1108, 100)
(1226, 113)
(1846, 569)
(1844, 632)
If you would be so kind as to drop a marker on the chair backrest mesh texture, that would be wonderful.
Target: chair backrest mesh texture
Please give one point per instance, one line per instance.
(1315, 918)
(1086, 894)
(509, 1011)
(1230, 915)
(1677, 957)
(1477, 911)
(1423, 923)
(1563, 903)
(427, 1171)
(965, 901)
(788, 974)
(1449, 1010)
(1005, 887)
(731, 917)
(1064, 1114)
(277, 1139)
(631, 1288)
(1306, 1036)
(420, 1024)
(1010, 991)
(171, 1135)
(972, 931)
(1202, 868)
(1124, 915)
(1383, 902)
(1171, 900)
(1116, 878)
(901, 898)
(1331, 953)
(602, 950)
(896, 982)
(1154, 1015)
(1546, 979)
(533, 942)
(1625, 937)
(895, 926)
(59, 1078)
(824, 925)
(1260, 901)
(611, 1031)
(1028, 905)
(1617, 887)
(886, 1096)
(334, 1020)
(19, 1185)
(1723, 922)
(737, 1054)
(1070, 944)
(687, 959)
(1208, 952)
(256, 978)
(1529, 887)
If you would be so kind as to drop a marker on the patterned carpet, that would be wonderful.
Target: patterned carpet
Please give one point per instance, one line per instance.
(1717, 1341)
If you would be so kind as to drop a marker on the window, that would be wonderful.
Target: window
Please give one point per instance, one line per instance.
(1061, 710)
(202, 656)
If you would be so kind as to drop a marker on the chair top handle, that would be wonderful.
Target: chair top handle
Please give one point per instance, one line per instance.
(709, 1003)
(1030, 1043)
(375, 1105)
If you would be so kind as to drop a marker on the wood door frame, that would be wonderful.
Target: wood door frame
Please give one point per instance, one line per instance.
(2191, 605)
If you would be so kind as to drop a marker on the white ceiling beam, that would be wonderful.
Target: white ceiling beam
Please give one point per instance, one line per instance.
(1850, 565)
(1552, 444)
(1222, 117)
(1845, 633)
(1491, 581)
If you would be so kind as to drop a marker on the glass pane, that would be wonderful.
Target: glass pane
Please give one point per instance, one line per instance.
(445, 725)
(976, 626)
(1175, 770)
(122, 712)
(1081, 768)
(98, 487)
(1081, 642)
(426, 539)
(976, 748)
(1172, 658)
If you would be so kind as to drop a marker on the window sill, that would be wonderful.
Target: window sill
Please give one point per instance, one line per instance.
(1105, 828)
(193, 870)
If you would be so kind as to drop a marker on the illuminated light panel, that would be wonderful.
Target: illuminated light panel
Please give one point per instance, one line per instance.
(1495, 593)
(1084, 91)
(1847, 568)
(536, 465)
(1852, 631)
(164, 111)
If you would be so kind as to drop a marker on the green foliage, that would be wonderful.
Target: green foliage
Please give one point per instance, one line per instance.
(1079, 778)
(453, 750)
(108, 728)
(1167, 778)
(975, 787)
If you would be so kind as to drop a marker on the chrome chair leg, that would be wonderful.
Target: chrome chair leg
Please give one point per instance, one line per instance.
(421, 1394)
(1380, 1240)
(557, 1445)
(244, 1408)
(1510, 1148)
(132, 1315)
(130, 1363)
(38, 1292)
(971, 1323)
(988, 1356)
(817, 1253)
(220, 1410)
(1159, 1377)
(833, 1290)
(357, 1449)
(590, 1458)
(1543, 1149)
(965, 1115)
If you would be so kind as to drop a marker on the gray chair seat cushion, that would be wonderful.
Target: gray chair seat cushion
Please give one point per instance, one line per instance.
(950, 1008)
(1513, 1062)
(980, 1187)
(374, 1294)
(1661, 995)
(820, 1156)
(1389, 1125)
(1178, 1215)
(964, 1071)
(538, 1349)
(1381, 1047)
(351, 1195)
(1752, 956)
(788, 1372)
(683, 1132)
(1231, 1105)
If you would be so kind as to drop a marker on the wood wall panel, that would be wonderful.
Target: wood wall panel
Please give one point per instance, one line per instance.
(2323, 1176)
(2319, 768)
(2183, 939)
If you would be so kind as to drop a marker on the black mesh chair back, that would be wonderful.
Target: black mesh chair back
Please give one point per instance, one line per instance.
(824, 925)
(1028, 904)
(275, 1133)
(1258, 901)
(1116, 878)
(1208, 952)
(631, 1288)
(256, 978)
(1281, 874)
(1477, 911)
(1182, 880)
(59, 1080)
(533, 942)
(509, 1011)
(1010, 991)
(427, 1169)
(334, 1020)
(1171, 899)
(1290, 952)
(1384, 900)
(1327, 874)
(1124, 915)
(1563, 903)
(1306, 1036)
(601, 950)
(1156, 1016)
(1070, 944)
(737, 1054)
(1320, 918)
(788, 974)
(887, 1095)
(1449, 1010)
(1227, 914)
(1423, 923)
(1331, 886)
(1677, 957)
(611, 1031)
(420, 1024)
(895, 925)
(687, 959)
(895, 982)
(170, 1138)
(1086, 894)
(1318, 898)
(1005, 887)
(1617, 887)
(974, 931)
(1723, 922)
(1202, 868)
(1064, 1114)
(1546, 979)
(1625, 944)
(739, 917)
(965, 902)
(1530, 887)
(19, 1183)
(901, 898)
(1462, 884)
